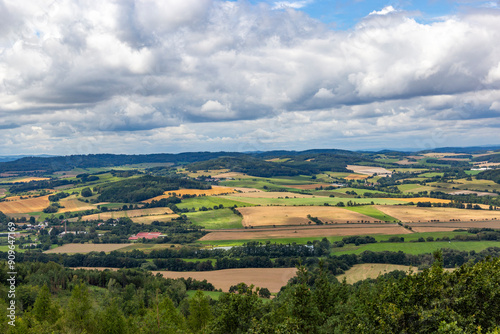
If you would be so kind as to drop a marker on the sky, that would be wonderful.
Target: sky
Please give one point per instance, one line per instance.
(153, 76)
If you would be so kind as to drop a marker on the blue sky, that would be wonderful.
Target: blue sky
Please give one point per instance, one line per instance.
(210, 75)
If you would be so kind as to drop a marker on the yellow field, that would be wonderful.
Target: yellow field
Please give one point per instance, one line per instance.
(368, 170)
(216, 190)
(210, 172)
(129, 213)
(297, 215)
(72, 204)
(371, 270)
(86, 248)
(28, 179)
(415, 214)
(25, 205)
(356, 177)
(272, 194)
(150, 219)
(421, 199)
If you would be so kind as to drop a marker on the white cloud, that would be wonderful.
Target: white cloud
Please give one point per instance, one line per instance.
(87, 72)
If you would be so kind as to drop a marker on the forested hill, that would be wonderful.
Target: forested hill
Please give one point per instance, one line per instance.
(339, 158)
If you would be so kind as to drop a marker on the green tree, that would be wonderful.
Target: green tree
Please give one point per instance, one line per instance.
(44, 309)
(199, 312)
(86, 192)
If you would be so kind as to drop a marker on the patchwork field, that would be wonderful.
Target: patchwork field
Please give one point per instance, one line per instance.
(305, 232)
(371, 270)
(86, 248)
(129, 213)
(416, 214)
(28, 179)
(368, 170)
(25, 205)
(216, 190)
(215, 219)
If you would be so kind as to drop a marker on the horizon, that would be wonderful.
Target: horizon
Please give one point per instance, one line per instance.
(238, 76)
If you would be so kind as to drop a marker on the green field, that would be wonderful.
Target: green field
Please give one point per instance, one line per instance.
(210, 201)
(372, 212)
(216, 219)
(212, 294)
(310, 200)
(417, 247)
(414, 188)
(431, 174)
(360, 191)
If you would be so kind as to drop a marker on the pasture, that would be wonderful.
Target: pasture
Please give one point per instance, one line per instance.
(215, 219)
(307, 200)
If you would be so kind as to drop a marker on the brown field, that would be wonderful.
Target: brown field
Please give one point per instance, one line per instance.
(415, 214)
(234, 175)
(310, 186)
(271, 194)
(86, 248)
(25, 205)
(3, 191)
(247, 190)
(271, 278)
(128, 213)
(150, 219)
(216, 190)
(421, 199)
(434, 227)
(356, 177)
(368, 170)
(305, 232)
(210, 172)
(406, 162)
(371, 270)
(297, 215)
(72, 204)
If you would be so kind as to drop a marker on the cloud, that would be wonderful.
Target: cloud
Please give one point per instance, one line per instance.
(93, 73)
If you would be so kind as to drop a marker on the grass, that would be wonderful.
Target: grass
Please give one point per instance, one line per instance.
(372, 212)
(210, 201)
(215, 295)
(418, 247)
(216, 219)
(311, 200)
(431, 174)
(414, 188)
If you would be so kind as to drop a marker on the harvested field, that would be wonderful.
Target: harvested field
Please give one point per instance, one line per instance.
(25, 205)
(297, 215)
(28, 179)
(86, 248)
(247, 190)
(3, 191)
(368, 170)
(210, 172)
(150, 219)
(271, 278)
(311, 186)
(416, 214)
(370, 270)
(128, 213)
(406, 162)
(421, 199)
(455, 225)
(468, 192)
(234, 175)
(216, 190)
(271, 194)
(356, 177)
(304, 232)
(72, 204)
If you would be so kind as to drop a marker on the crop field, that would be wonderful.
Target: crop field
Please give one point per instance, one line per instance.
(28, 179)
(422, 199)
(72, 204)
(368, 170)
(271, 278)
(310, 186)
(430, 227)
(216, 219)
(288, 215)
(369, 210)
(356, 177)
(128, 213)
(216, 190)
(149, 219)
(86, 248)
(306, 232)
(309, 200)
(416, 214)
(468, 192)
(211, 172)
(211, 201)
(272, 194)
(414, 188)
(371, 270)
(36, 204)
(463, 184)
(417, 247)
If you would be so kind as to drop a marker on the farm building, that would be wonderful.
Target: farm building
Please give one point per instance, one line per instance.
(146, 235)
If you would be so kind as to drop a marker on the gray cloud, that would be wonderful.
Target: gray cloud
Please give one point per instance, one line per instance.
(171, 75)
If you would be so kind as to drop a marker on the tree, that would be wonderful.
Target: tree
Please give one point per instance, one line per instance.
(44, 309)
(86, 192)
(199, 312)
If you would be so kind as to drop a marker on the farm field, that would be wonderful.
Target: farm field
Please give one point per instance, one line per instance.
(271, 194)
(368, 170)
(271, 278)
(149, 219)
(288, 215)
(417, 247)
(369, 210)
(308, 200)
(71, 204)
(306, 232)
(27, 179)
(422, 199)
(420, 214)
(210, 201)
(310, 186)
(356, 177)
(128, 213)
(430, 227)
(414, 188)
(86, 248)
(36, 204)
(371, 270)
(216, 190)
(216, 219)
